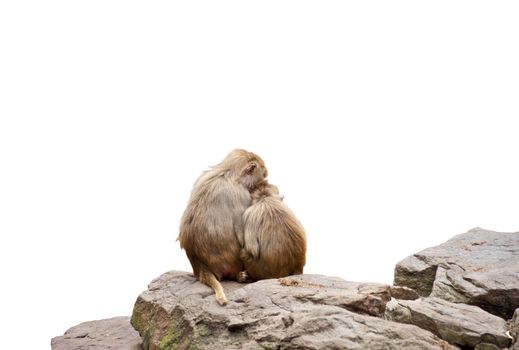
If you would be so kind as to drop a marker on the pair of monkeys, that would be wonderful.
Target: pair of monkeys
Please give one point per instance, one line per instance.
(236, 226)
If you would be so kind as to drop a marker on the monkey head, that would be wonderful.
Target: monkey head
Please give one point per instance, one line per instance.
(247, 168)
(264, 191)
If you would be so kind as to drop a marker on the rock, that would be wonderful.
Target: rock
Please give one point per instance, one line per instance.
(297, 312)
(459, 324)
(114, 333)
(514, 325)
(479, 267)
(514, 329)
(403, 293)
(486, 346)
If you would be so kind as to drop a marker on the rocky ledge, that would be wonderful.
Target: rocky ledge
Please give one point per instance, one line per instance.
(479, 267)
(462, 295)
(115, 334)
(297, 312)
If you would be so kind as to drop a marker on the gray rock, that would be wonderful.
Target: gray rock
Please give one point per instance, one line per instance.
(297, 312)
(514, 329)
(114, 333)
(459, 324)
(479, 267)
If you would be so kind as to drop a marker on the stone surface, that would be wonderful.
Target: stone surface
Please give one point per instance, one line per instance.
(486, 346)
(297, 312)
(479, 267)
(439, 296)
(459, 324)
(514, 329)
(403, 293)
(114, 333)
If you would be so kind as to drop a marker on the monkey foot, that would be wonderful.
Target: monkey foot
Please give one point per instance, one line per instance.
(242, 277)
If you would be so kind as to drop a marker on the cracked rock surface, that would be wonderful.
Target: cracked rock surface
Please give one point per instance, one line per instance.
(460, 324)
(115, 333)
(297, 312)
(479, 267)
(460, 295)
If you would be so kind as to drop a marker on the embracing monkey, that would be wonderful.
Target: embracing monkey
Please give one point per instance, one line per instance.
(275, 241)
(211, 228)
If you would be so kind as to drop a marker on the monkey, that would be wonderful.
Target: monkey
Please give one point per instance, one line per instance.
(211, 228)
(274, 240)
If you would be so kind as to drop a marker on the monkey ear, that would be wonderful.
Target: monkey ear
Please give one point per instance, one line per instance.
(249, 169)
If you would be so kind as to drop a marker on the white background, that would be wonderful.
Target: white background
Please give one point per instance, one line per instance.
(388, 126)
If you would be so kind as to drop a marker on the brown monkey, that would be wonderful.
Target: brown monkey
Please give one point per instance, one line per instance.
(275, 241)
(211, 228)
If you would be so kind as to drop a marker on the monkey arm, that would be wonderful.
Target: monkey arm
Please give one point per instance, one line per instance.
(251, 244)
(253, 248)
(252, 227)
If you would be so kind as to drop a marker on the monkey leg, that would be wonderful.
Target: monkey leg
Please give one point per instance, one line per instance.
(210, 279)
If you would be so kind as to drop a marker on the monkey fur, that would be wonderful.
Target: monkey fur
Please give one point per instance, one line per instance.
(211, 228)
(275, 241)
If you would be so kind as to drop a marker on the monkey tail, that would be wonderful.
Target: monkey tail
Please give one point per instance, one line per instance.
(208, 278)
